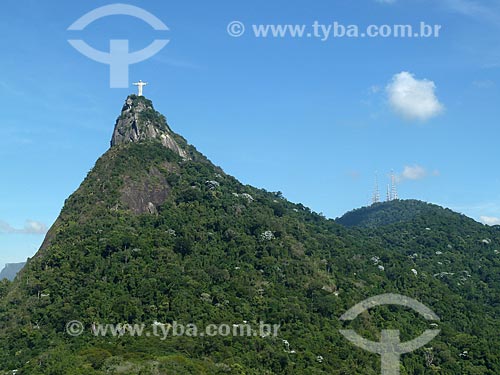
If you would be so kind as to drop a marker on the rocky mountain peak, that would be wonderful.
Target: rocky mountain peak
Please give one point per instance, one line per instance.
(140, 122)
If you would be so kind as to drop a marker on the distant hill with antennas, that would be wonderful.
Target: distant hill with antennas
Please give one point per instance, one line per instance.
(395, 211)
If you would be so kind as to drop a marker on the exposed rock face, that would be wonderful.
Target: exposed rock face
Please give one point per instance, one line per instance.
(139, 122)
(145, 195)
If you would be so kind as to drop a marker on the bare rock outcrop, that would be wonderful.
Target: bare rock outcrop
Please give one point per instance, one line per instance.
(140, 122)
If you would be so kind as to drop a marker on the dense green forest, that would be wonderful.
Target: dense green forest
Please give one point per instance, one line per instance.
(153, 235)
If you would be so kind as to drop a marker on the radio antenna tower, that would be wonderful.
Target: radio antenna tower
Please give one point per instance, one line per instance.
(376, 193)
(388, 199)
(394, 190)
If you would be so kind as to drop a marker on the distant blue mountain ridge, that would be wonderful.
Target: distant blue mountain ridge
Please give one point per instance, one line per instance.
(10, 270)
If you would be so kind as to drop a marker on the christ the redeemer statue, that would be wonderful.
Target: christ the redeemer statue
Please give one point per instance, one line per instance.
(140, 85)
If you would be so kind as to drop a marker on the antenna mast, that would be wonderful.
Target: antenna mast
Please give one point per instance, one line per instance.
(394, 190)
(376, 193)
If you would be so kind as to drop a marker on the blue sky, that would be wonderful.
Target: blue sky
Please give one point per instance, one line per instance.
(314, 119)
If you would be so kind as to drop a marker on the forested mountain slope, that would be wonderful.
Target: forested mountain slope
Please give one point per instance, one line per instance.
(157, 233)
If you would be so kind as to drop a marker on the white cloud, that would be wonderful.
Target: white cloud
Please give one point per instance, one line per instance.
(465, 7)
(412, 98)
(355, 175)
(415, 172)
(486, 84)
(30, 227)
(475, 9)
(490, 220)
(35, 227)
